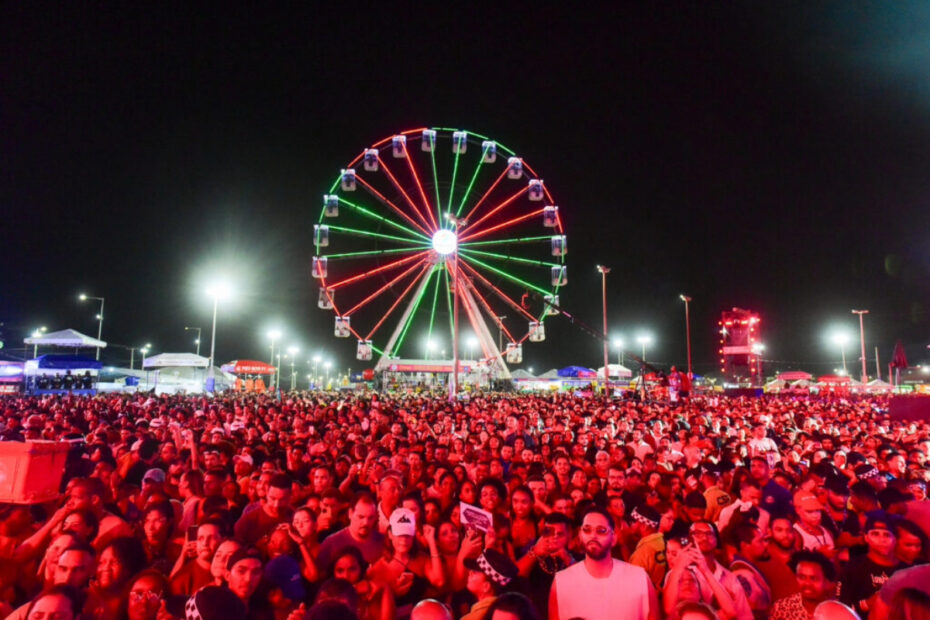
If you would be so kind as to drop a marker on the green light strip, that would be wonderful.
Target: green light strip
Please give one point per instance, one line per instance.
(508, 276)
(416, 306)
(381, 218)
(455, 171)
(515, 259)
(476, 135)
(432, 315)
(449, 300)
(468, 244)
(432, 154)
(372, 253)
(471, 183)
(367, 233)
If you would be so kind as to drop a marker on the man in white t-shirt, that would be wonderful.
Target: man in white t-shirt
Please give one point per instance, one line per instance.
(601, 586)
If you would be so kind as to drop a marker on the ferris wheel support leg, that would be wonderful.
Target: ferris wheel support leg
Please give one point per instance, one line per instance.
(485, 339)
(385, 360)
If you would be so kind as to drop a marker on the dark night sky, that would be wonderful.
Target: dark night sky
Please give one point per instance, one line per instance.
(771, 157)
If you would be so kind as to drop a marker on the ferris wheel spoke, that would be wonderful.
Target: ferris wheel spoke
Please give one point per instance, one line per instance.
(377, 270)
(432, 155)
(383, 288)
(501, 226)
(371, 214)
(396, 303)
(367, 233)
(381, 198)
(499, 293)
(490, 311)
(455, 171)
(364, 253)
(512, 259)
(512, 240)
(449, 300)
(504, 274)
(487, 193)
(416, 179)
(471, 183)
(410, 317)
(432, 314)
(425, 219)
(473, 225)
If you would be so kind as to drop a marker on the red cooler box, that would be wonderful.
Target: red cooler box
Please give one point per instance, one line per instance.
(30, 472)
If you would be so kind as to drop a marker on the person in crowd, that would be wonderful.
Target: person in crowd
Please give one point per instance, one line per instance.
(362, 532)
(488, 577)
(816, 577)
(147, 589)
(119, 561)
(864, 575)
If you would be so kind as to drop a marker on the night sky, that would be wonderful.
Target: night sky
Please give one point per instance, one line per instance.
(771, 156)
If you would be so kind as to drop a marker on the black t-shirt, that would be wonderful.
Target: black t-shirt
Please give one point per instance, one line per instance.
(863, 578)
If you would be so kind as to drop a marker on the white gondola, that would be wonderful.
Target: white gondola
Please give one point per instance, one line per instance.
(514, 168)
(488, 152)
(459, 142)
(348, 180)
(550, 216)
(559, 245)
(537, 331)
(551, 300)
(535, 191)
(514, 353)
(319, 267)
(320, 235)
(428, 140)
(371, 160)
(363, 352)
(399, 146)
(559, 276)
(330, 205)
(325, 300)
(342, 327)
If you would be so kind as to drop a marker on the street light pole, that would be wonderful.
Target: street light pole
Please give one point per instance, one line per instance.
(216, 291)
(273, 335)
(865, 376)
(687, 301)
(197, 342)
(37, 333)
(84, 297)
(604, 271)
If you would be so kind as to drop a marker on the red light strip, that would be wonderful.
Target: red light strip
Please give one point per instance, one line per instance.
(487, 308)
(499, 226)
(365, 301)
(416, 178)
(404, 193)
(387, 202)
(396, 263)
(397, 302)
(495, 209)
(487, 193)
(500, 293)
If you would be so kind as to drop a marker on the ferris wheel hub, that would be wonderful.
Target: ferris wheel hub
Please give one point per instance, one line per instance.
(444, 241)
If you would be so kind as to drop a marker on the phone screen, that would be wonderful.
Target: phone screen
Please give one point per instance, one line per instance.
(192, 532)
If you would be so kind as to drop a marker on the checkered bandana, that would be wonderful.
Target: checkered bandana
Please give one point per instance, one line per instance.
(190, 609)
(491, 572)
(643, 519)
(871, 473)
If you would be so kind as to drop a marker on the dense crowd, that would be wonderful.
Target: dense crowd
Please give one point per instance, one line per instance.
(322, 505)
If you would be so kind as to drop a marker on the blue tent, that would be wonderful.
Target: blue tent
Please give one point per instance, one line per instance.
(576, 371)
(67, 362)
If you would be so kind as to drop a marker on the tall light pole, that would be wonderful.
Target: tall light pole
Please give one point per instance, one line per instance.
(37, 333)
(644, 339)
(217, 291)
(292, 350)
(865, 376)
(197, 341)
(618, 345)
(84, 297)
(604, 271)
(316, 363)
(840, 339)
(143, 350)
(687, 301)
(444, 245)
(273, 334)
(327, 366)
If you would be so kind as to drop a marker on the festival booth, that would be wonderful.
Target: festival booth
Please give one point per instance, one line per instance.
(838, 384)
(576, 377)
(526, 381)
(170, 373)
(249, 374)
(11, 377)
(67, 339)
(61, 374)
(878, 386)
(788, 381)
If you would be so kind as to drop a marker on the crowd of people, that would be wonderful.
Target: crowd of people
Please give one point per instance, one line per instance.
(497, 506)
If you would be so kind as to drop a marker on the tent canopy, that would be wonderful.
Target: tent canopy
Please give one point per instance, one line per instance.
(793, 375)
(552, 373)
(833, 379)
(615, 370)
(167, 360)
(65, 338)
(576, 371)
(248, 367)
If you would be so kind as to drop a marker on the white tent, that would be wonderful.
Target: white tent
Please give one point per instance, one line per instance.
(66, 338)
(519, 373)
(552, 373)
(615, 370)
(173, 360)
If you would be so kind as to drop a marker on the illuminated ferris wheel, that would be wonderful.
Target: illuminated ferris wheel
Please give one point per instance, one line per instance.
(428, 221)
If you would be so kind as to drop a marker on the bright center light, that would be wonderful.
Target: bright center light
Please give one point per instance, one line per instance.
(444, 242)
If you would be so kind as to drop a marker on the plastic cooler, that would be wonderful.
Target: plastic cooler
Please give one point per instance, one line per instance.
(30, 472)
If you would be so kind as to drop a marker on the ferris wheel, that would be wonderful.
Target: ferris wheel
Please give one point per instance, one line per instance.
(429, 220)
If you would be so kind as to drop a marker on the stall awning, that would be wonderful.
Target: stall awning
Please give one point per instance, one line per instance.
(66, 338)
(168, 360)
